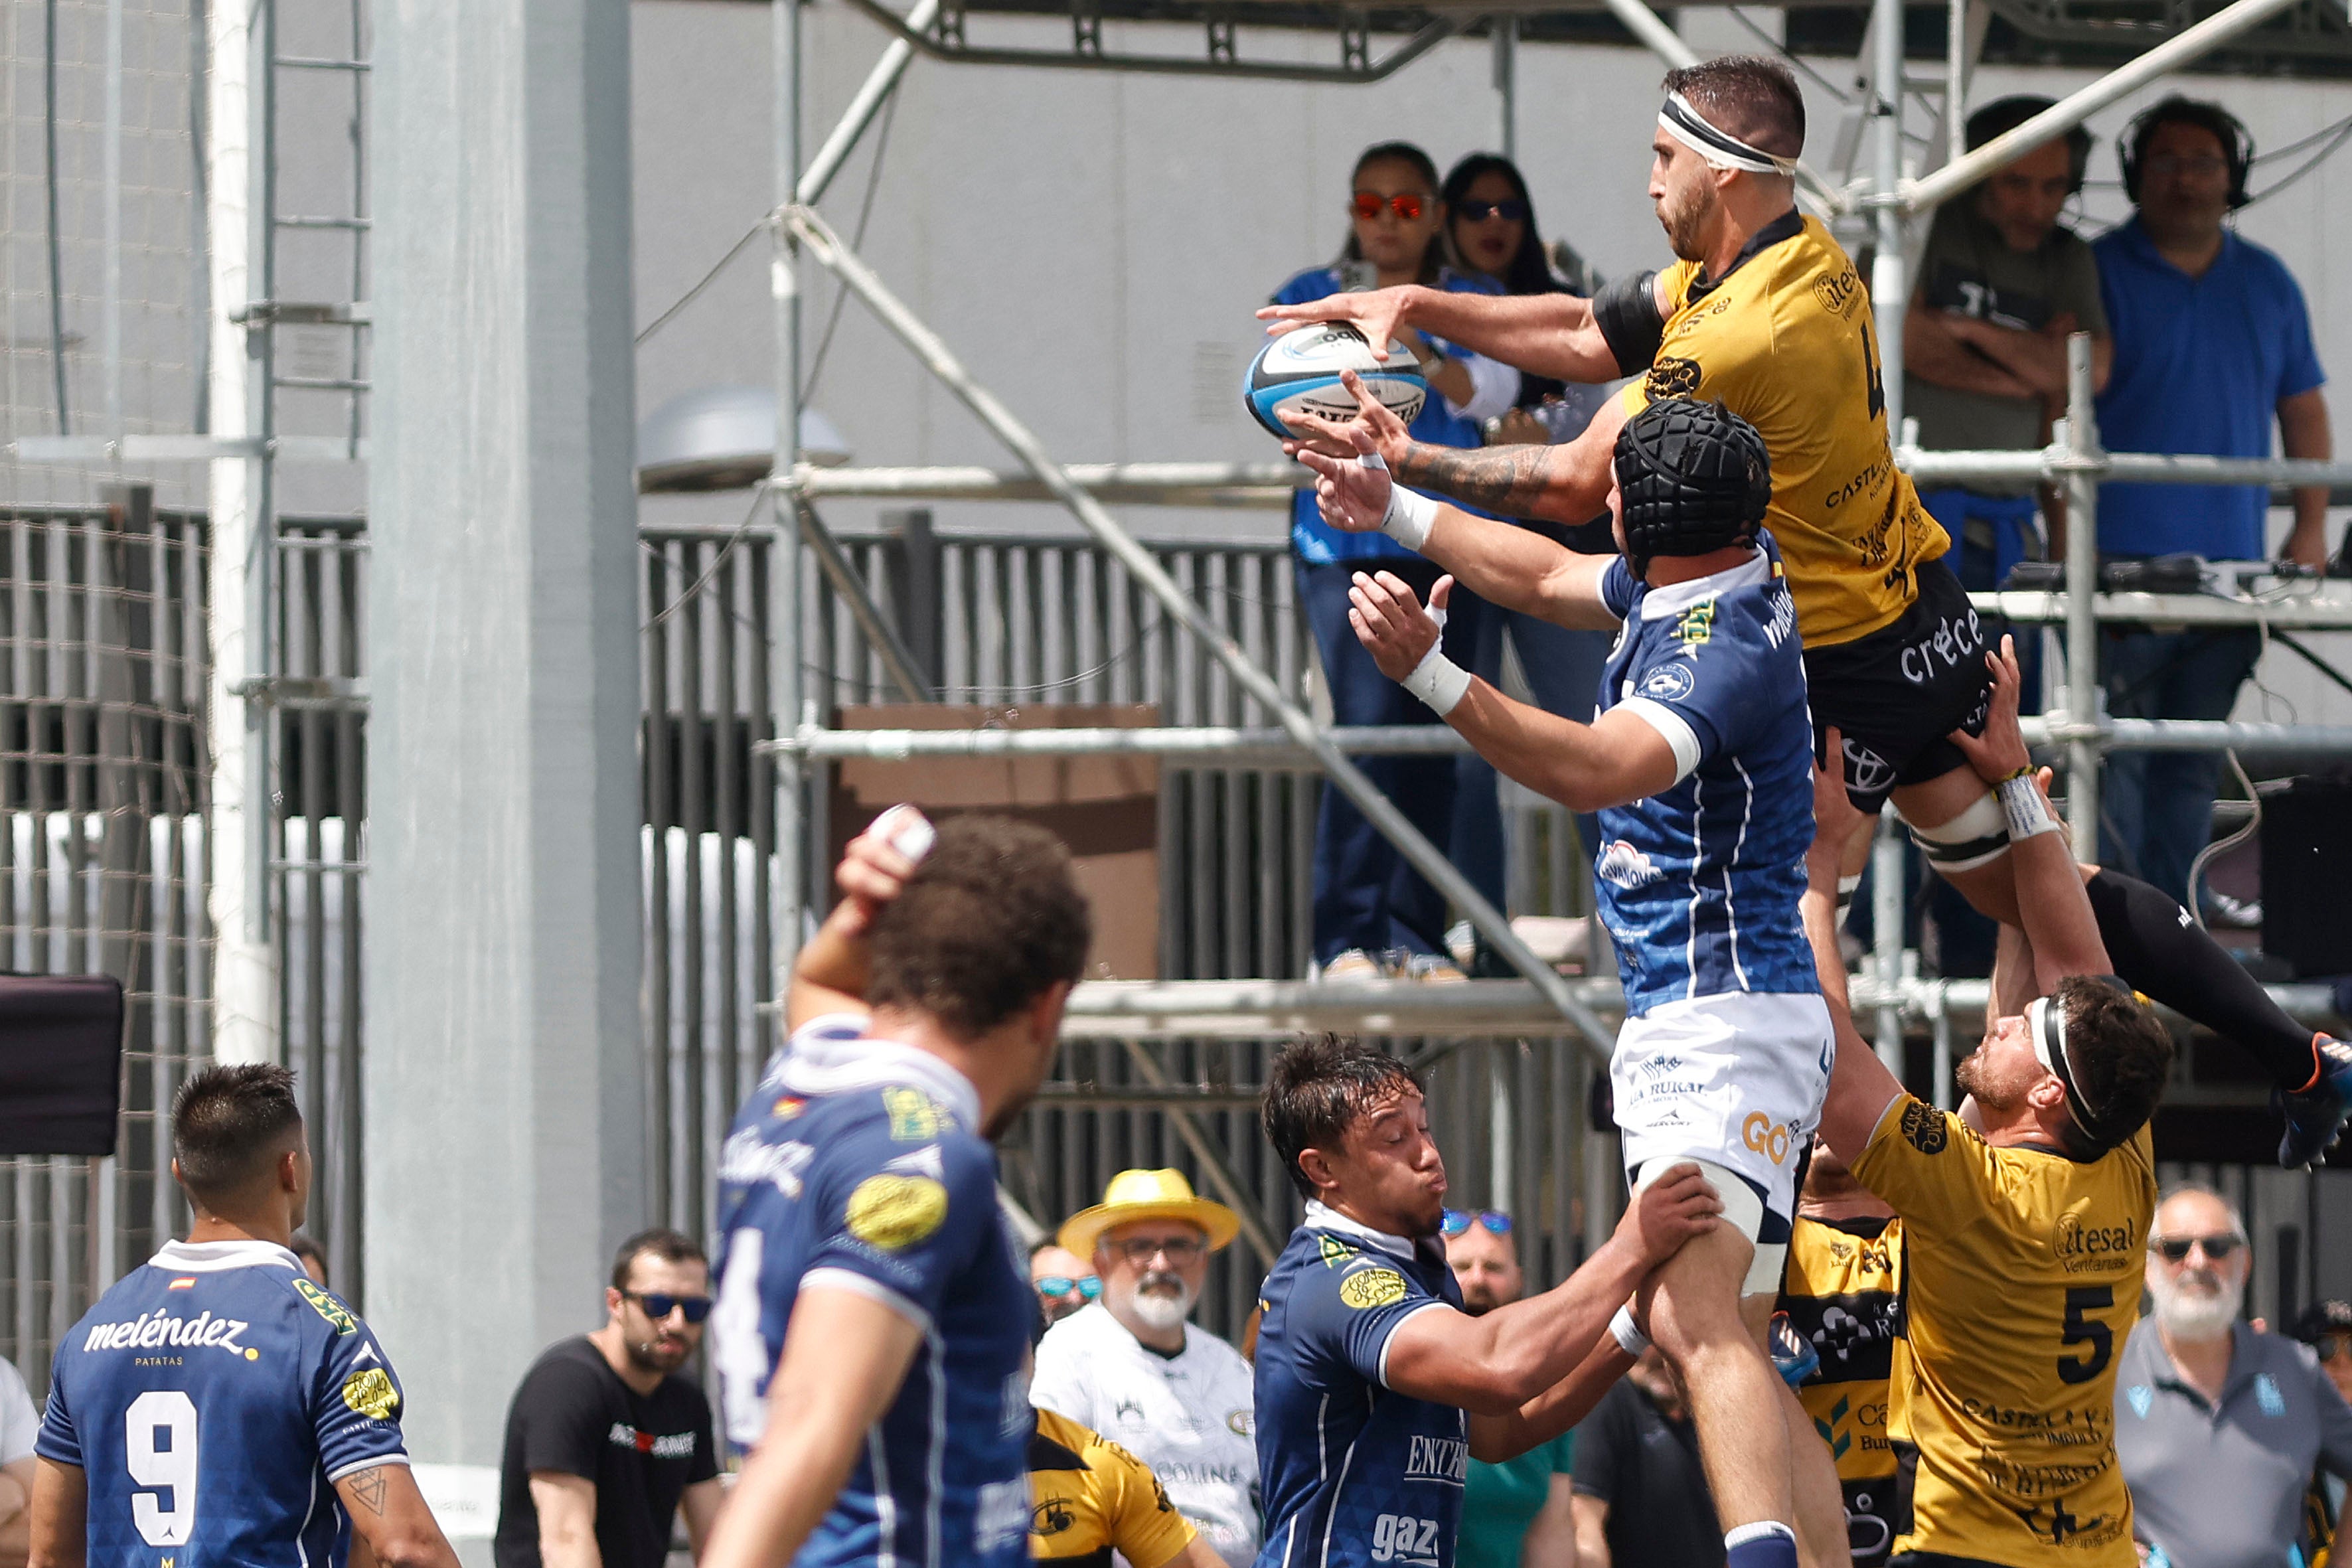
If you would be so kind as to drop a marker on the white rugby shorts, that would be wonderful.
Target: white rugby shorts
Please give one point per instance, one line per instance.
(1736, 1079)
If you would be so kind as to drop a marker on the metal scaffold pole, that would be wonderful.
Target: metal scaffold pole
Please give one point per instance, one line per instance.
(2082, 445)
(788, 678)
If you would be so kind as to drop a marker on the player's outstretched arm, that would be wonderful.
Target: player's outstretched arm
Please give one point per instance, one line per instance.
(2050, 901)
(1549, 335)
(1515, 567)
(60, 1524)
(845, 1356)
(1584, 768)
(390, 1518)
(829, 976)
(1493, 1365)
(1861, 1088)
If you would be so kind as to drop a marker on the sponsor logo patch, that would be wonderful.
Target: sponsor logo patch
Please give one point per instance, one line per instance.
(893, 1213)
(1837, 292)
(1669, 682)
(1625, 867)
(1866, 770)
(1672, 378)
(326, 1306)
(1372, 1288)
(372, 1395)
(914, 1116)
(1924, 1128)
(1761, 1134)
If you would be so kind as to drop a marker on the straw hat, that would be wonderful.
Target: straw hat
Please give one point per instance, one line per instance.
(1147, 1195)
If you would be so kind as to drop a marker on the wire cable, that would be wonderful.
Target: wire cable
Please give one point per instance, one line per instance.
(57, 266)
(734, 250)
(856, 242)
(2343, 132)
(2223, 845)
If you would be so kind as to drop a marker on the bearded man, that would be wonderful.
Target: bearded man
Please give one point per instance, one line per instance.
(1130, 1367)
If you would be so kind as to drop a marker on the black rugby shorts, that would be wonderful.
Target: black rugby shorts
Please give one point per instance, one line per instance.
(1895, 695)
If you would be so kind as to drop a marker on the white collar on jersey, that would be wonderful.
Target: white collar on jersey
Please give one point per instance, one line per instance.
(1322, 1217)
(825, 1061)
(1658, 604)
(211, 1256)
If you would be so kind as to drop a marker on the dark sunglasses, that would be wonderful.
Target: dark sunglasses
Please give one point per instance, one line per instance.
(659, 1305)
(1479, 211)
(1407, 205)
(2174, 1248)
(1060, 1285)
(1496, 1221)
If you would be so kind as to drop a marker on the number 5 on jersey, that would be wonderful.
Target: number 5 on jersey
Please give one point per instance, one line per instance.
(159, 1449)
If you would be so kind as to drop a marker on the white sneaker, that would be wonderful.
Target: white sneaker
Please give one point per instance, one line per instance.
(1353, 965)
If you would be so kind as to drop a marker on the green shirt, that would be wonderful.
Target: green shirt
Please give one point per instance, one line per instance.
(1500, 1501)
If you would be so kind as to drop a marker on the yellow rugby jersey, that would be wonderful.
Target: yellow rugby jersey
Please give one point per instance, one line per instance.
(1842, 1293)
(1093, 1498)
(1786, 343)
(2021, 1282)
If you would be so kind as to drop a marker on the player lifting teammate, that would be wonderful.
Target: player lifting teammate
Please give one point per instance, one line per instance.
(1700, 765)
(1765, 314)
(216, 1408)
(2026, 1215)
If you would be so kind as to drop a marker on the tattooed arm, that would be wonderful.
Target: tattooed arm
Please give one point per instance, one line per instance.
(1568, 483)
(388, 1514)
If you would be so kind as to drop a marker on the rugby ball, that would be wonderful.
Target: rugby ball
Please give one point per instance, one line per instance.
(1298, 372)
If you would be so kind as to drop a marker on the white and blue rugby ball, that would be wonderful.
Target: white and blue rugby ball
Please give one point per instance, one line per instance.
(1298, 372)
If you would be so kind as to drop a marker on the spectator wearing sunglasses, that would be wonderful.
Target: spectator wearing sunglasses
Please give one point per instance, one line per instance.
(1132, 1368)
(606, 1444)
(2219, 1427)
(1374, 915)
(1518, 1513)
(1064, 1281)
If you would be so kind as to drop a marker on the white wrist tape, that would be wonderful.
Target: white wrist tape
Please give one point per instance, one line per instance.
(1410, 516)
(1437, 679)
(2022, 808)
(1628, 1332)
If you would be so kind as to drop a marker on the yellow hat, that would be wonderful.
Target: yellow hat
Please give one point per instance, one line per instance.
(1147, 1195)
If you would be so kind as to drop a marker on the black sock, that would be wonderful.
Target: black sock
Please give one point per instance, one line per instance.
(2161, 953)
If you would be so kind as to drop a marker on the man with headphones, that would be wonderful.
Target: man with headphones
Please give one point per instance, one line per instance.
(2002, 283)
(2212, 346)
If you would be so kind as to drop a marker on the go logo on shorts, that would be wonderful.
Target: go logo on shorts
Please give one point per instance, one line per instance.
(1759, 1134)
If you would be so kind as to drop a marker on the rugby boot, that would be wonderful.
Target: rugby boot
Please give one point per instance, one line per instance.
(2315, 1112)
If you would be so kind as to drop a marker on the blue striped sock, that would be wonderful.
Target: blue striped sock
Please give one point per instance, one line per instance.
(1767, 1543)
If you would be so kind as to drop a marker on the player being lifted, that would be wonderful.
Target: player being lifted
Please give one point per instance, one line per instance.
(2026, 1215)
(1700, 764)
(216, 1408)
(872, 1333)
(1765, 314)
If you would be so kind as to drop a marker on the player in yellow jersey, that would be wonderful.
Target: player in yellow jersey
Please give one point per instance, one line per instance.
(1093, 1498)
(2026, 1215)
(1842, 1295)
(1763, 312)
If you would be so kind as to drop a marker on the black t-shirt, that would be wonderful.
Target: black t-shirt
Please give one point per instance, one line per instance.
(1646, 1468)
(574, 1414)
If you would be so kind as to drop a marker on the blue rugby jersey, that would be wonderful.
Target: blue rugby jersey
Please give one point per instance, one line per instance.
(1698, 885)
(1352, 1472)
(857, 1165)
(211, 1399)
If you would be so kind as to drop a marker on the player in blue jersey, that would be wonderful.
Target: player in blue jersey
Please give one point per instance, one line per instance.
(1374, 1388)
(873, 1324)
(217, 1409)
(1699, 761)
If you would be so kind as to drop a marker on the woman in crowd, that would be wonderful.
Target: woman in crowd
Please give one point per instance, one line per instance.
(1375, 915)
(1492, 226)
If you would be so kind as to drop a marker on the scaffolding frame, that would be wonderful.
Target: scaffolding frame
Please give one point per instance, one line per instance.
(1887, 197)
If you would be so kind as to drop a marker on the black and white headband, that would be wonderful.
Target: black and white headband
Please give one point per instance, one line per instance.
(1720, 147)
(2045, 1021)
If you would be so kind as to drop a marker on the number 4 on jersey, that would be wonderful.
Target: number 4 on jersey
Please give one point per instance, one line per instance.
(1877, 384)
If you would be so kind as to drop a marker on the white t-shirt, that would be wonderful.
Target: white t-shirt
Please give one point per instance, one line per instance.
(1189, 1417)
(20, 1423)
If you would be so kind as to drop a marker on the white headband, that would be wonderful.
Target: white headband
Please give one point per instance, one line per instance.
(1720, 147)
(2045, 1021)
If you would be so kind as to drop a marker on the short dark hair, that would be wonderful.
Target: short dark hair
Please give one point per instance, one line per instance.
(303, 1247)
(991, 920)
(229, 1124)
(669, 1246)
(2120, 1052)
(1316, 1087)
(1755, 97)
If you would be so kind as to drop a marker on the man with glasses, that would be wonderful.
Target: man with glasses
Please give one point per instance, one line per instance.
(1064, 1281)
(606, 1444)
(1130, 1367)
(1515, 1513)
(2220, 1427)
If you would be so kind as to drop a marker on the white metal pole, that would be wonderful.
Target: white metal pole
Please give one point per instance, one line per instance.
(1507, 84)
(1889, 291)
(1956, 82)
(2081, 614)
(810, 185)
(787, 682)
(245, 973)
(110, 299)
(2072, 110)
(1886, 910)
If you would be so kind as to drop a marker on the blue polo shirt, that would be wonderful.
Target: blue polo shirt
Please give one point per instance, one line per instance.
(2200, 365)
